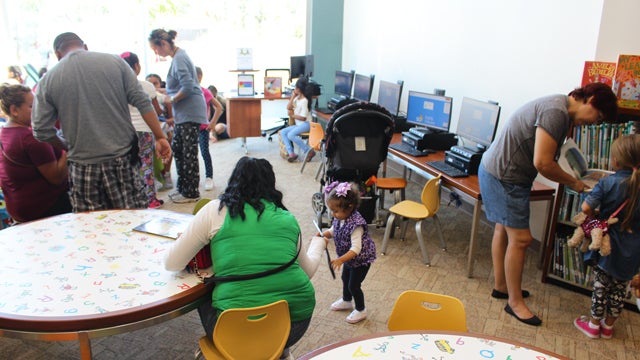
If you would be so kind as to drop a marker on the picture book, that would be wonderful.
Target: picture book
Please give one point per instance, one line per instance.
(598, 71)
(626, 82)
(272, 87)
(165, 226)
(245, 85)
(572, 160)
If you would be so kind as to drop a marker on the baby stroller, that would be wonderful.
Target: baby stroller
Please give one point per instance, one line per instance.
(356, 142)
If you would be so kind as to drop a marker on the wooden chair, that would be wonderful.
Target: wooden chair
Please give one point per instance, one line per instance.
(419, 310)
(418, 211)
(316, 135)
(252, 333)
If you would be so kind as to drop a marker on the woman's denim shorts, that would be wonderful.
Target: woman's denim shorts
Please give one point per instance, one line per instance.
(506, 204)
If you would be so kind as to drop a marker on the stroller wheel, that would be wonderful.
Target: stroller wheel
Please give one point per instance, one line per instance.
(317, 203)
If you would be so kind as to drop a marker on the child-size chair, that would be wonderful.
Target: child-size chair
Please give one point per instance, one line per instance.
(418, 211)
(316, 135)
(251, 333)
(419, 310)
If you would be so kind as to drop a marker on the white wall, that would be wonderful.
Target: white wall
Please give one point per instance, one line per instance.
(503, 50)
(619, 30)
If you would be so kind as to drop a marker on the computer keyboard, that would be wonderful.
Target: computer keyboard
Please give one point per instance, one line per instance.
(408, 149)
(325, 110)
(447, 169)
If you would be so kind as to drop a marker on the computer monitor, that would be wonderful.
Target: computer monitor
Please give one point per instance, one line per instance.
(478, 121)
(389, 96)
(343, 83)
(301, 65)
(362, 87)
(432, 111)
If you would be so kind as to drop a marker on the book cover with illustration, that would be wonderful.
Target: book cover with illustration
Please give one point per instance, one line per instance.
(272, 87)
(626, 82)
(572, 160)
(598, 71)
(169, 227)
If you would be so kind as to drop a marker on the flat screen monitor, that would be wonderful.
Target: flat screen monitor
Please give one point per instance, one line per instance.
(301, 66)
(362, 87)
(478, 121)
(389, 96)
(343, 83)
(432, 111)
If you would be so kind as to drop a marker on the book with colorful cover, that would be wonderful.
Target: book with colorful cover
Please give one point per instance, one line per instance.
(598, 71)
(626, 83)
(272, 87)
(165, 226)
(573, 161)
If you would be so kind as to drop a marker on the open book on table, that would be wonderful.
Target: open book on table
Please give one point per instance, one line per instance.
(572, 160)
(165, 226)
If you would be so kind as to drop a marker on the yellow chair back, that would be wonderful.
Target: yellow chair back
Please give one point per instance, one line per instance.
(431, 195)
(201, 203)
(251, 333)
(419, 310)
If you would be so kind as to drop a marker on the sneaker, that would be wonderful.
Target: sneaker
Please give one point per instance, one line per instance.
(292, 157)
(179, 199)
(156, 203)
(584, 325)
(310, 155)
(208, 184)
(340, 304)
(606, 331)
(357, 316)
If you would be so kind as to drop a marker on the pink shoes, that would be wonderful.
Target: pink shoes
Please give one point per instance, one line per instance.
(586, 327)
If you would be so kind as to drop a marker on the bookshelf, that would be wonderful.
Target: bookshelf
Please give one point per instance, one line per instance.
(563, 265)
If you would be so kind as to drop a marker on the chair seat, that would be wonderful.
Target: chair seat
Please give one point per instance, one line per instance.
(410, 209)
(391, 183)
(209, 350)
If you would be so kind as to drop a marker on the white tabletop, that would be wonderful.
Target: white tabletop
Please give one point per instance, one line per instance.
(85, 265)
(426, 345)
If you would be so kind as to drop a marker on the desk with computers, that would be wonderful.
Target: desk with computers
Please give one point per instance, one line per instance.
(426, 127)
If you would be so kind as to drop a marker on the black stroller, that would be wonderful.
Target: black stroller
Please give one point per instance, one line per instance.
(356, 142)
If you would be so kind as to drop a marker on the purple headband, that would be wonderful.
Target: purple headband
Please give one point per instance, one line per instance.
(341, 188)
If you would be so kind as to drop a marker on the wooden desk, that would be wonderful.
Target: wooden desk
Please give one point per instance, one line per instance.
(244, 115)
(426, 344)
(87, 275)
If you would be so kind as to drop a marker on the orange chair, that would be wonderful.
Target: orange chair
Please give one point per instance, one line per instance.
(316, 135)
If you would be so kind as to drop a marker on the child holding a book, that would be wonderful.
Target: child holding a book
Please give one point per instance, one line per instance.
(612, 274)
(354, 246)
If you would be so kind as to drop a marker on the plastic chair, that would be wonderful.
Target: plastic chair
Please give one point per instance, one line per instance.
(411, 210)
(251, 333)
(395, 186)
(202, 202)
(316, 135)
(419, 310)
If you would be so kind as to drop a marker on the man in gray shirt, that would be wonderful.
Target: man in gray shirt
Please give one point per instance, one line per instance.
(88, 93)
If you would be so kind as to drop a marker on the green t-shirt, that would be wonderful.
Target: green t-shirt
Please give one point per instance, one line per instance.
(255, 245)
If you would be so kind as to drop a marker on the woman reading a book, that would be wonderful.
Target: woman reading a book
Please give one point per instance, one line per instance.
(527, 145)
(250, 231)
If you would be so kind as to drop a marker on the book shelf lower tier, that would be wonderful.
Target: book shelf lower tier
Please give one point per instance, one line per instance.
(567, 269)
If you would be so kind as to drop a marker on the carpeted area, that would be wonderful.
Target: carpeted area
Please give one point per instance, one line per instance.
(399, 270)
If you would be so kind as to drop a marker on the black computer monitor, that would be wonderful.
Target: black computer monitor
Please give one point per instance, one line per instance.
(431, 111)
(389, 96)
(343, 83)
(478, 121)
(362, 87)
(301, 66)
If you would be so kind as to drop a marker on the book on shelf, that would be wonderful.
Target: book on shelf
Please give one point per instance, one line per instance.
(272, 87)
(165, 226)
(626, 82)
(573, 161)
(598, 71)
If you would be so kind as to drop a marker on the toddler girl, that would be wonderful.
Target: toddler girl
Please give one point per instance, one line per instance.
(613, 272)
(354, 246)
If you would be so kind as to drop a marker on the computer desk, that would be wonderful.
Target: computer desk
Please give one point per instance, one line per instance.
(469, 190)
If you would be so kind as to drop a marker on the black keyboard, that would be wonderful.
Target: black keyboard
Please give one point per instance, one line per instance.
(325, 110)
(447, 169)
(408, 149)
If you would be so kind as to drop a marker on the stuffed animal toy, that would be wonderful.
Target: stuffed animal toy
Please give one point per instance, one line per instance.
(592, 229)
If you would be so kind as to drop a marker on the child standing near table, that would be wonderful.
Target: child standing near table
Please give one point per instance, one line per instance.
(613, 272)
(354, 246)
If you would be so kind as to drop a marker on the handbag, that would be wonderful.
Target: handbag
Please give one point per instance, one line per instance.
(202, 260)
